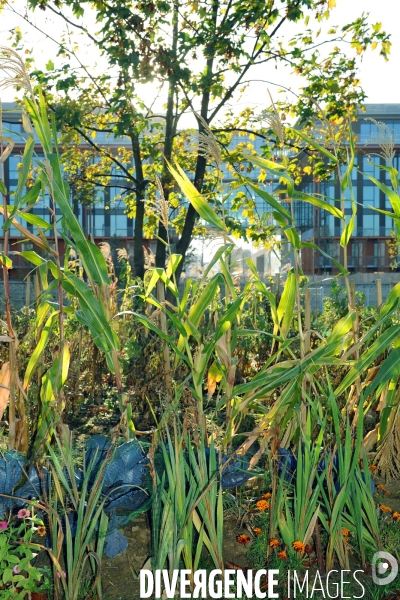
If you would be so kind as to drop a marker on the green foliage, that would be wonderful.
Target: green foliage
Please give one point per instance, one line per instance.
(84, 551)
(17, 574)
(186, 50)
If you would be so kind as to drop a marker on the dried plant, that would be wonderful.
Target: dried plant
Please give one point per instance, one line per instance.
(385, 138)
(273, 119)
(388, 457)
(105, 249)
(324, 127)
(16, 74)
(122, 254)
(4, 153)
(149, 258)
(160, 205)
(207, 145)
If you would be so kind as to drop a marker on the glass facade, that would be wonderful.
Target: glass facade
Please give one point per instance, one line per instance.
(107, 216)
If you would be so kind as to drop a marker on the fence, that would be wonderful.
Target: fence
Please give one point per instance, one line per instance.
(376, 291)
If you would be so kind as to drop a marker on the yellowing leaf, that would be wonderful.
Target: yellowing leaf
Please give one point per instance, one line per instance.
(331, 3)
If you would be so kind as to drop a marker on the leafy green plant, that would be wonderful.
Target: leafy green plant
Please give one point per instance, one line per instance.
(18, 576)
(83, 552)
(187, 508)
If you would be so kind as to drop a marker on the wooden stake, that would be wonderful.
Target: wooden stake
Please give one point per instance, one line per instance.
(307, 320)
(163, 326)
(379, 293)
(28, 294)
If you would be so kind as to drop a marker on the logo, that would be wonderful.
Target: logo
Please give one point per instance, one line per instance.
(384, 568)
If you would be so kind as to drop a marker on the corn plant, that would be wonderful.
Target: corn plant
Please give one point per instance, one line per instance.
(93, 298)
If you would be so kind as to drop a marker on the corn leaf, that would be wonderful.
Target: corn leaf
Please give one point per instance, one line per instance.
(315, 145)
(347, 232)
(195, 198)
(336, 212)
(39, 348)
(369, 356)
(270, 200)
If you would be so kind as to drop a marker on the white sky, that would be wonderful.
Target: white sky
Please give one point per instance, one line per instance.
(380, 79)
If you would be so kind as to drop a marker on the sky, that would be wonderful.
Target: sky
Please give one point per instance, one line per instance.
(380, 80)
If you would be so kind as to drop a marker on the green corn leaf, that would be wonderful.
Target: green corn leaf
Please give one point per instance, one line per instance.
(342, 327)
(94, 313)
(227, 248)
(56, 376)
(29, 199)
(391, 194)
(347, 232)
(270, 200)
(391, 301)
(39, 348)
(286, 305)
(35, 220)
(340, 267)
(393, 198)
(273, 168)
(5, 261)
(37, 260)
(394, 174)
(147, 323)
(24, 172)
(198, 309)
(195, 198)
(374, 351)
(314, 145)
(346, 183)
(388, 371)
(172, 265)
(289, 231)
(336, 212)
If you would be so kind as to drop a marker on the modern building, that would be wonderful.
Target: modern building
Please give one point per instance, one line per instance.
(106, 219)
(368, 247)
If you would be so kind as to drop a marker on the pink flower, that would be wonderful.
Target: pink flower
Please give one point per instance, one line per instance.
(15, 569)
(63, 574)
(24, 513)
(3, 525)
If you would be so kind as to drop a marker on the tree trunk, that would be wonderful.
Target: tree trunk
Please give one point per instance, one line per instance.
(170, 130)
(138, 252)
(201, 165)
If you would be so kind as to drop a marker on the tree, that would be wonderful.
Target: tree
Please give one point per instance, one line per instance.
(199, 54)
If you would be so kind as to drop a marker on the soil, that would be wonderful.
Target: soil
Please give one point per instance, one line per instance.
(120, 575)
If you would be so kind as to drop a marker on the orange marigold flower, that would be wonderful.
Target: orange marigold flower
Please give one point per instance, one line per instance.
(267, 496)
(274, 543)
(282, 555)
(383, 489)
(257, 530)
(262, 505)
(41, 530)
(373, 468)
(243, 539)
(298, 546)
(396, 516)
(385, 508)
(345, 532)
